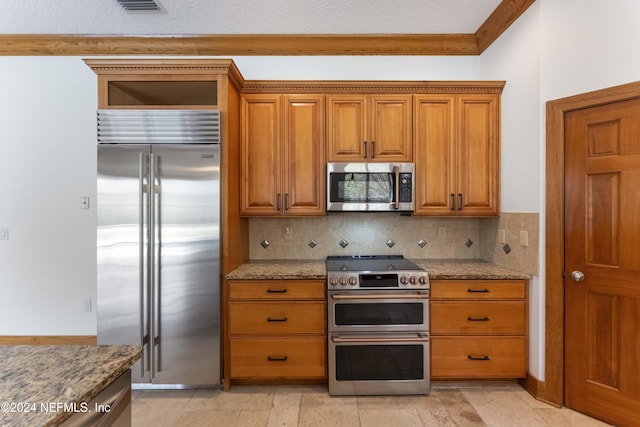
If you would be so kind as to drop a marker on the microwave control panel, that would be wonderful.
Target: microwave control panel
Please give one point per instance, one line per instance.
(406, 185)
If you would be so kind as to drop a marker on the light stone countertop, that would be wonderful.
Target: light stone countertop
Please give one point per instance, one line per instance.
(439, 269)
(36, 377)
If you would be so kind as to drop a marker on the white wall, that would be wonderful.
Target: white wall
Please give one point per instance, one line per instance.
(48, 161)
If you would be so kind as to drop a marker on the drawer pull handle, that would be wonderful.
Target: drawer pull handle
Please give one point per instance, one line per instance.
(482, 358)
(478, 319)
(276, 291)
(485, 291)
(270, 319)
(277, 358)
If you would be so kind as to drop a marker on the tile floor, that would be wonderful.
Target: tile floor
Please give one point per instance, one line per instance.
(449, 404)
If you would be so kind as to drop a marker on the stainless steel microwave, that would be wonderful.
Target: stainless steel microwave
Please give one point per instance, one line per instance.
(385, 187)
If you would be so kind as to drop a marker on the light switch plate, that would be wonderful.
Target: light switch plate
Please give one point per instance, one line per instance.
(524, 238)
(502, 237)
(4, 233)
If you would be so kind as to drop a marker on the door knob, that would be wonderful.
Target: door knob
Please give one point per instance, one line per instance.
(577, 276)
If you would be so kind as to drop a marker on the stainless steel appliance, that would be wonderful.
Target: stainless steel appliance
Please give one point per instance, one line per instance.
(370, 187)
(158, 251)
(378, 324)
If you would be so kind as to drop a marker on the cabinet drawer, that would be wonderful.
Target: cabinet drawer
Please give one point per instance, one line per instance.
(278, 358)
(478, 289)
(478, 357)
(277, 318)
(478, 318)
(277, 289)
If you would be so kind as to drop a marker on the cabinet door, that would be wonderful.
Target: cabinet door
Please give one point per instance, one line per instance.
(261, 142)
(303, 155)
(434, 154)
(347, 128)
(390, 129)
(478, 155)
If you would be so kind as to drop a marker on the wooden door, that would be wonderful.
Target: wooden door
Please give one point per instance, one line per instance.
(434, 154)
(390, 131)
(303, 165)
(602, 242)
(478, 156)
(261, 141)
(347, 128)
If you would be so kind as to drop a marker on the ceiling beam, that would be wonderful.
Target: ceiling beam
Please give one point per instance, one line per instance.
(268, 44)
(497, 23)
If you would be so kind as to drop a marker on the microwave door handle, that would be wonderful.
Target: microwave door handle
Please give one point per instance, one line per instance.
(396, 173)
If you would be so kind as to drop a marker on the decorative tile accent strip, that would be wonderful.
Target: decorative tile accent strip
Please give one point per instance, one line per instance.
(506, 248)
(390, 243)
(468, 243)
(313, 244)
(265, 243)
(344, 243)
(422, 243)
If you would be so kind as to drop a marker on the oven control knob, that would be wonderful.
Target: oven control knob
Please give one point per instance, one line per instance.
(404, 280)
(423, 280)
(333, 281)
(343, 281)
(353, 281)
(413, 280)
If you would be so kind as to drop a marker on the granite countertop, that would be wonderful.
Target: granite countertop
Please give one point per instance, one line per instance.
(439, 269)
(34, 378)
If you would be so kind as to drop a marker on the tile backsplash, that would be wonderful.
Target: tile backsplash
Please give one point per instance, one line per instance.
(391, 233)
(364, 233)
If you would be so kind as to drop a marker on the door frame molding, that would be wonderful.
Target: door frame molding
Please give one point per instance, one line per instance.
(552, 389)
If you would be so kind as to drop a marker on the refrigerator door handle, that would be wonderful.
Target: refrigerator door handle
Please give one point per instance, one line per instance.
(141, 190)
(152, 260)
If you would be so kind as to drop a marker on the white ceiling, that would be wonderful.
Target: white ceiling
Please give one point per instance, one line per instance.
(182, 17)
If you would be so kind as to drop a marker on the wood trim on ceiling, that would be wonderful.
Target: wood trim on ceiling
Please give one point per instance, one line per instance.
(269, 44)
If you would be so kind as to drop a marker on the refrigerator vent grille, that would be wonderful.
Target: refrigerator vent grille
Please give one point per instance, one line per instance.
(159, 126)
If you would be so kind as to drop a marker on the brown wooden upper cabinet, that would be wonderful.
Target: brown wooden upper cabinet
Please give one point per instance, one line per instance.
(282, 155)
(369, 128)
(457, 154)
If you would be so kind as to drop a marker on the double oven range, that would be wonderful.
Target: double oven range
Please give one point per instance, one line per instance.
(378, 325)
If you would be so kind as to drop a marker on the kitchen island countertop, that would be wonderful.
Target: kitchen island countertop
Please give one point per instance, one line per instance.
(36, 382)
(439, 269)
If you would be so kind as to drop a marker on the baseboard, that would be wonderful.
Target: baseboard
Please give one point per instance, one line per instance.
(536, 388)
(48, 340)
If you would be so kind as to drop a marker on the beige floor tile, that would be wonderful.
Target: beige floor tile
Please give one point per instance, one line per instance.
(436, 416)
(398, 402)
(459, 409)
(563, 417)
(321, 399)
(503, 408)
(389, 417)
(234, 399)
(156, 412)
(222, 418)
(334, 416)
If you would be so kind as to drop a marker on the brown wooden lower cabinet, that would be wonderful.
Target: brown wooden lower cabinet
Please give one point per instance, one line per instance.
(278, 358)
(479, 329)
(276, 331)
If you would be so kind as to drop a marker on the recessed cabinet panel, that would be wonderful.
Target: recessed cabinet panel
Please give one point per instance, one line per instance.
(283, 155)
(457, 150)
(163, 93)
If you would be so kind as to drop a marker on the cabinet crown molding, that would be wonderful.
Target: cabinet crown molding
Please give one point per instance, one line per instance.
(372, 87)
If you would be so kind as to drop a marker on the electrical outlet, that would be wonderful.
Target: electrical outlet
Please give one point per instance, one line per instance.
(502, 237)
(524, 238)
(84, 202)
(4, 233)
(86, 305)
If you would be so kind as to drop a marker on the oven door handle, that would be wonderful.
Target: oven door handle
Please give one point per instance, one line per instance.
(380, 296)
(370, 339)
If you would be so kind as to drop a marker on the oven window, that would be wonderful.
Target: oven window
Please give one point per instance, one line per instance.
(379, 362)
(410, 313)
(361, 187)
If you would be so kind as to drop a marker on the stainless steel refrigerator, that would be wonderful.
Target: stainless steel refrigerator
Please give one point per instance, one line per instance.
(158, 251)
